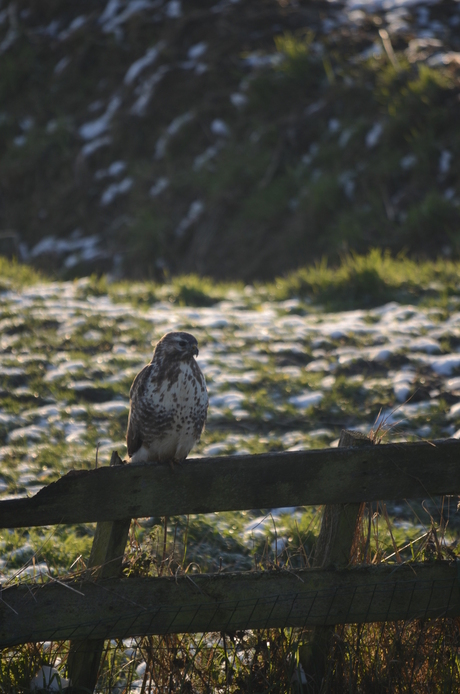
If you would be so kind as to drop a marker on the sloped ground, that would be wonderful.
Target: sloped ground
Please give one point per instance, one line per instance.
(235, 139)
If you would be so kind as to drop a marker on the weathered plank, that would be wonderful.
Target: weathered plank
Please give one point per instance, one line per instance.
(339, 521)
(105, 561)
(120, 608)
(339, 525)
(231, 483)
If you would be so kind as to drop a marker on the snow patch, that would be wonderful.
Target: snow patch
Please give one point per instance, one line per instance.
(173, 128)
(116, 189)
(139, 65)
(48, 679)
(173, 9)
(159, 186)
(307, 399)
(111, 21)
(374, 135)
(146, 89)
(112, 171)
(195, 211)
(230, 400)
(94, 145)
(95, 128)
(74, 25)
(220, 128)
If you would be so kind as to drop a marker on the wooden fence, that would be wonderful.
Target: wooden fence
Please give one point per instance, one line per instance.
(103, 605)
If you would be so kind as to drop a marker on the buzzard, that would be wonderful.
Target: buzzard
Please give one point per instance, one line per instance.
(169, 402)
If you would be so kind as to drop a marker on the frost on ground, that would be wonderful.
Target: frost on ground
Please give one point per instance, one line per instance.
(281, 376)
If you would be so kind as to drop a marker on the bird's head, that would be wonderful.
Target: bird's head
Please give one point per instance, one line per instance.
(177, 345)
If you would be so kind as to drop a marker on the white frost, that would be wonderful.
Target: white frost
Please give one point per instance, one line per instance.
(94, 145)
(444, 162)
(172, 129)
(145, 91)
(307, 399)
(238, 100)
(97, 127)
(219, 127)
(74, 25)
(139, 65)
(195, 211)
(32, 432)
(230, 400)
(113, 407)
(116, 189)
(454, 412)
(408, 162)
(173, 9)
(374, 135)
(202, 159)
(112, 21)
(196, 51)
(48, 679)
(116, 168)
(161, 184)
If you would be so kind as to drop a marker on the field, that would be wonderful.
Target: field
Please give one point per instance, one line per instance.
(288, 366)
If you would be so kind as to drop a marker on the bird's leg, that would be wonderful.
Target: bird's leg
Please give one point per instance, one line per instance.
(165, 536)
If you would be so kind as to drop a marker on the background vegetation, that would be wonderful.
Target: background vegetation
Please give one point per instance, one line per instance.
(250, 139)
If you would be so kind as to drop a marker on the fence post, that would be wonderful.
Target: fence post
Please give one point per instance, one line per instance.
(104, 562)
(336, 545)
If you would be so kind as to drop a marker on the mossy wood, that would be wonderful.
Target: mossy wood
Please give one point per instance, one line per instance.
(120, 608)
(231, 483)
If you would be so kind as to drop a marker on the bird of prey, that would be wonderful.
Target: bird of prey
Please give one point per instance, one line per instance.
(168, 403)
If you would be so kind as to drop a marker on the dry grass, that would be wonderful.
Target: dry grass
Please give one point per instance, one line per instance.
(417, 656)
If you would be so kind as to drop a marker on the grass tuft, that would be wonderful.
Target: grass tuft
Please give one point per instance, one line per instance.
(14, 274)
(367, 280)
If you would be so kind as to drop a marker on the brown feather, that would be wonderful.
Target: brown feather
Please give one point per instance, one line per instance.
(168, 402)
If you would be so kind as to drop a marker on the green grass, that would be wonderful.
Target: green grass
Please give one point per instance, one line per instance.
(14, 275)
(356, 281)
(369, 280)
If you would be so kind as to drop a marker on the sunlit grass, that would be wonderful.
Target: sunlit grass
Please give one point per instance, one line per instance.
(14, 274)
(357, 280)
(363, 280)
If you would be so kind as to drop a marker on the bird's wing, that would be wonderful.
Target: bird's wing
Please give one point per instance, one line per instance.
(139, 383)
(202, 408)
(134, 438)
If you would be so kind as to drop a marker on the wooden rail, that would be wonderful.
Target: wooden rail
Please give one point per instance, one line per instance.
(234, 483)
(120, 608)
(103, 605)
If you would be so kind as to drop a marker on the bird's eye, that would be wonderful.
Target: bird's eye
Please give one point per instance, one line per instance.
(182, 343)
